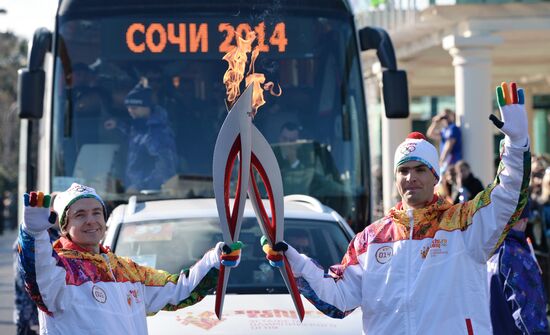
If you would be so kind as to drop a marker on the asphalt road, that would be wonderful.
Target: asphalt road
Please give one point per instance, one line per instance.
(6, 283)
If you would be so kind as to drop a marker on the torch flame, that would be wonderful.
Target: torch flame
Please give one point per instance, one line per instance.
(256, 79)
(269, 87)
(236, 59)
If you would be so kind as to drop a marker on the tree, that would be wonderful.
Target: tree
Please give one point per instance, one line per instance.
(13, 51)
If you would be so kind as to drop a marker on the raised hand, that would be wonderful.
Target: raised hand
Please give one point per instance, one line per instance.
(231, 254)
(512, 110)
(37, 216)
(274, 254)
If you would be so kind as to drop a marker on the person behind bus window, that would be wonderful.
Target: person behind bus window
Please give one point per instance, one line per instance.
(306, 167)
(272, 120)
(152, 155)
(290, 133)
(81, 78)
(81, 287)
(297, 175)
(421, 269)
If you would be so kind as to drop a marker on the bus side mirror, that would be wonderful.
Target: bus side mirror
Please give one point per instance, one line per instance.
(31, 80)
(30, 97)
(378, 39)
(395, 94)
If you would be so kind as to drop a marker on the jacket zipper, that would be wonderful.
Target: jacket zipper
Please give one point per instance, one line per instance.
(106, 257)
(407, 290)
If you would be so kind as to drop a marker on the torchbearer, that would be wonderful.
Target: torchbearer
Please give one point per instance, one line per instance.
(81, 287)
(422, 268)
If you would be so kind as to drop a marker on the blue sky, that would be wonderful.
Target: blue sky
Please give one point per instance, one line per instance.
(24, 16)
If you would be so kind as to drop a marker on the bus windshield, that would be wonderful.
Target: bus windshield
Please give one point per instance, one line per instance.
(171, 67)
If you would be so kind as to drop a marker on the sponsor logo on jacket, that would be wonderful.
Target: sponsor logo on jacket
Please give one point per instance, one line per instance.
(438, 246)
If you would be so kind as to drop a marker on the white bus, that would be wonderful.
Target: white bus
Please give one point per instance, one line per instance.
(79, 74)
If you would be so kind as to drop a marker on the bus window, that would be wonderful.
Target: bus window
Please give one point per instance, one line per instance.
(312, 56)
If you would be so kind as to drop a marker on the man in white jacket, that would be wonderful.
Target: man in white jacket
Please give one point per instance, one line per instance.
(422, 268)
(80, 287)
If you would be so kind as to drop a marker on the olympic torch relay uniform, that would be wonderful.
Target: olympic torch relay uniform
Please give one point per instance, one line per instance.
(80, 292)
(422, 271)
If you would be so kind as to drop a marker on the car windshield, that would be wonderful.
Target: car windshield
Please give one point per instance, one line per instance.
(173, 245)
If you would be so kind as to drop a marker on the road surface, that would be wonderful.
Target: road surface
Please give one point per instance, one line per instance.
(6, 283)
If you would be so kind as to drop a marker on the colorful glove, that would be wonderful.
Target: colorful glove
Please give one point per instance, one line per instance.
(274, 254)
(514, 117)
(37, 216)
(231, 255)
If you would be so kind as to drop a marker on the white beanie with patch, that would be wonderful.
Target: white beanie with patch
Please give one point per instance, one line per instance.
(65, 199)
(417, 148)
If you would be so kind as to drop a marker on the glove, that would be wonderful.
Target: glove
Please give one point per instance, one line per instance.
(37, 216)
(514, 117)
(231, 255)
(274, 254)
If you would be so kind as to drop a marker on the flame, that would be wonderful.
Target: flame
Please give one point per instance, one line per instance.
(269, 87)
(236, 59)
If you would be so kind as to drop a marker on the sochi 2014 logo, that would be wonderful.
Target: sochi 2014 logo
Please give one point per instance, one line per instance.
(407, 148)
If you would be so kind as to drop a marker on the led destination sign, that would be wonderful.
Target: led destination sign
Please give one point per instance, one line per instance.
(193, 37)
(170, 39)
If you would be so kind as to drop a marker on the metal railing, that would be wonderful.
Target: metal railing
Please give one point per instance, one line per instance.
(398, 15)
(391, 15)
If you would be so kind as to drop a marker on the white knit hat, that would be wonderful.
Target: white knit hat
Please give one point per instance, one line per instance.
(65, 199)
(417, 148)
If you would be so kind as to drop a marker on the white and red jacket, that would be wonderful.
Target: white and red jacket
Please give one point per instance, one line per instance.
(79, 292)
(423, 271)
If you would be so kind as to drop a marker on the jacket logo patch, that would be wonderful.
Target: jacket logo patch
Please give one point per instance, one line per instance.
(384, 254)
(98, 294)
(437, 247)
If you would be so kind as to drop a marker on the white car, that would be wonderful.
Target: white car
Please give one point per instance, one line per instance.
(174, 234)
